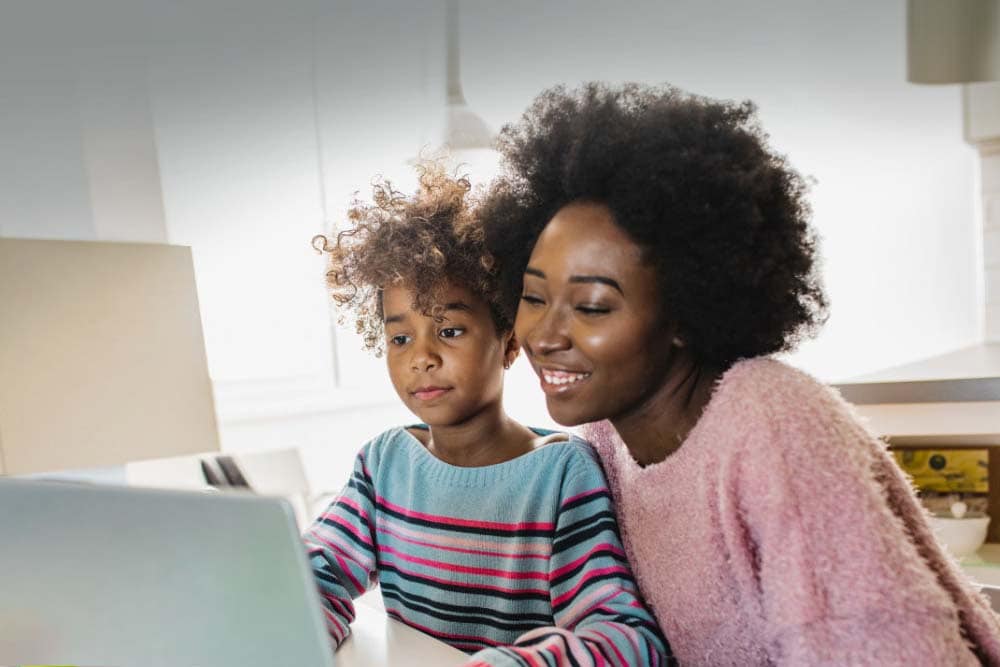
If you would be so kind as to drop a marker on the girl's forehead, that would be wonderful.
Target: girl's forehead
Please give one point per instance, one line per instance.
(449, 298)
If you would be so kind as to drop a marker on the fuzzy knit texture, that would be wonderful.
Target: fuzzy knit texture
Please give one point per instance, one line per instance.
(520, 562)
(782, 532)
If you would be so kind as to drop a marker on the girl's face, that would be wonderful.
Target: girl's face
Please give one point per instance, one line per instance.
(589, 318)
(445, 370)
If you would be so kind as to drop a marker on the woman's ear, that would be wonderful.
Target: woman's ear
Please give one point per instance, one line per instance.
(511, 348)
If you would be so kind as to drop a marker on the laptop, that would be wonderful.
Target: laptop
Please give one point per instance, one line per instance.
(104, 575)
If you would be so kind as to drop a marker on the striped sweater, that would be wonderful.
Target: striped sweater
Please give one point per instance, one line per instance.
(520, 562)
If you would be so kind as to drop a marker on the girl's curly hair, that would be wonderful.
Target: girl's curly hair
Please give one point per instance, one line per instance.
(424, 242)
(721, 217)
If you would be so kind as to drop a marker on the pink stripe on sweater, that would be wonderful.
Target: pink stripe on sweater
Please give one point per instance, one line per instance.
(627, 632)
(607, 642)
(334, 625)
(584, 605)
(527, 656)
(466, 584)
(464, 569)
(499, 553)
(350, 502)
(364, 559)
(468, 523)
(592, 492)
(347, 573)
(351, 529)
(496, 542)
(597, 547)
(572, 593)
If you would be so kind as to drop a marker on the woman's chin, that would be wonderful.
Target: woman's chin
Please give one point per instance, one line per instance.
(566, 414)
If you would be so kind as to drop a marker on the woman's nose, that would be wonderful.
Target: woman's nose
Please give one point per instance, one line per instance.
(549, 334)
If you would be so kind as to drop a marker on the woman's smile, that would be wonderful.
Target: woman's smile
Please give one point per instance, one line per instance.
(558, 381)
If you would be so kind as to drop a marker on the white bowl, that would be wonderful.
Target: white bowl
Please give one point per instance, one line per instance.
(962, 536)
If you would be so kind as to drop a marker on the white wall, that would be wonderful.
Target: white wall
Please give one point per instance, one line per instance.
(894, 192)
(250, 125)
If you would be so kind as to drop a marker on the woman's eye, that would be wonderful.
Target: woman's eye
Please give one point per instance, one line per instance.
(531, 299)
(451, 332)
(593, 310)
(399, 339)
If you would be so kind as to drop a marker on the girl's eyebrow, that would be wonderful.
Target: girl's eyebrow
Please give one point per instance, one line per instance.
(455, 305)
(604, 280)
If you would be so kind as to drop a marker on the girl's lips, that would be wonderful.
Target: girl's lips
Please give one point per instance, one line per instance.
(430, 393)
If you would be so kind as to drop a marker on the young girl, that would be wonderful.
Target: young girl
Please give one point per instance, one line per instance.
(664, 253)
(488, 535)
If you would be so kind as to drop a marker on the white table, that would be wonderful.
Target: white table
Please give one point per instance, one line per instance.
(378, 640)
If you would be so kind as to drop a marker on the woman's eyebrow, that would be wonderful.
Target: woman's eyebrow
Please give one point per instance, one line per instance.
(604, 280)
(611, 282)
(531, 271)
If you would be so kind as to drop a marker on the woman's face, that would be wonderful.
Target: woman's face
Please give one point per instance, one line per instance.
(589, 318)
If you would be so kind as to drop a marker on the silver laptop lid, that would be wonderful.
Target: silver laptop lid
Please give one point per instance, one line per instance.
(100, 575)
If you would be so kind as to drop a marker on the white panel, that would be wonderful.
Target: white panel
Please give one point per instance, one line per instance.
(101, 355)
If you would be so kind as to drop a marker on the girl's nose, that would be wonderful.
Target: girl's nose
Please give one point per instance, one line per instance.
(424, 358)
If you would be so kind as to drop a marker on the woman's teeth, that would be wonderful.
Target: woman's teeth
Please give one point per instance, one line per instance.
(562, 377)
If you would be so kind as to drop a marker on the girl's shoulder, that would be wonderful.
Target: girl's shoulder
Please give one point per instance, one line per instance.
(572, 455)
(564, 444)
(390, 442)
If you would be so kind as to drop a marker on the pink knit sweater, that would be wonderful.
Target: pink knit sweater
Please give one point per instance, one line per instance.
(781, 532)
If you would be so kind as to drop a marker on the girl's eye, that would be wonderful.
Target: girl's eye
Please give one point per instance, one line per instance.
(399, 340)
(593, 310)
(531, 299)
(451, 332)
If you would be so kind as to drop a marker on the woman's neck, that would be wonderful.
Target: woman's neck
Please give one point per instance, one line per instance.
(487, 438)
(656, 429)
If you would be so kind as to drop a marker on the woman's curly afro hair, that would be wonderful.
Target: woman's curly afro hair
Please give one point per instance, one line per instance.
(721, 217)
(423, 242)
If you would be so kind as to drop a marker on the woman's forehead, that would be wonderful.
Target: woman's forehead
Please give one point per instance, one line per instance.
(585, 237)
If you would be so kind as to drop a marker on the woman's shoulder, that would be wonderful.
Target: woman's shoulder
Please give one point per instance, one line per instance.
(783, 405)
(776, 388)
(761, 374)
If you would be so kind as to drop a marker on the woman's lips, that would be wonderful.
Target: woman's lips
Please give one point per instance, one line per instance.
(560, 381)
(430, 393)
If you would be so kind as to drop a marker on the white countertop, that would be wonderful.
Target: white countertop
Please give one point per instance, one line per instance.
(378, 640)
(983, 567)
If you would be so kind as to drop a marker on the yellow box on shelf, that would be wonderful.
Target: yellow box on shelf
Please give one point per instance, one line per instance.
(947, 470)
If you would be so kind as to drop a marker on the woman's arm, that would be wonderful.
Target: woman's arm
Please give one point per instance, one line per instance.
(841, 553)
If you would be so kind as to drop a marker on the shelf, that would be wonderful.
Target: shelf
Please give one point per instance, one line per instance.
(949, 400)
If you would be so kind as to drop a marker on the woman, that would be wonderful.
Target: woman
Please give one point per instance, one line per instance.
(667, 253)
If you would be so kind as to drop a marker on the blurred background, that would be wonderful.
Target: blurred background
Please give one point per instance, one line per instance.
(242, 128)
